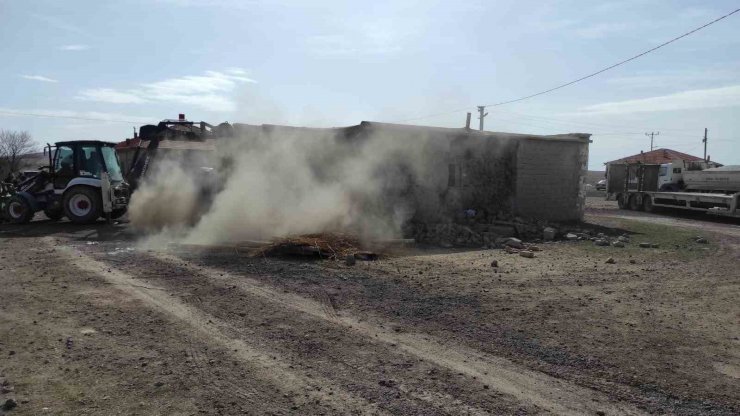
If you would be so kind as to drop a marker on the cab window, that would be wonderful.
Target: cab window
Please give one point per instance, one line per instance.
(90, 161)
(663, 171)
(64, 162)
(111, 163)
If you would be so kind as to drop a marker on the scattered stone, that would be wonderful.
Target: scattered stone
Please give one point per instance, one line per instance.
(610, 260)
(387, 383)
(350, 260)
(618, 244)
(654, 245)
(9, 404)
(514, 242)
(526, 253)
(571, 237)
(548, 234)
(533, 248)
(602, 243)
(494, 263)
(623, 239)
(645, 245)
(510, 250)
(632, 261)
(600, 413)
(366, 256)
(701, 240)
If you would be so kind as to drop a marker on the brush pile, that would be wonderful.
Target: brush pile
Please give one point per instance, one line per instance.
(326, 245)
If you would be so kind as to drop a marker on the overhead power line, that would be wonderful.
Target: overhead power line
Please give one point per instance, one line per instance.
(14, 113)
(589, 75)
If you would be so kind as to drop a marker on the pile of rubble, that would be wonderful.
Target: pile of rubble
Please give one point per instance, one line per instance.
(515, 246)
(600, 239)
(474, 234)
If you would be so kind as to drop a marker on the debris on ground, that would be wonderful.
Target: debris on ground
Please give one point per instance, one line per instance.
(526, 253)
(700, 240)
(9, 404)
(610, 260)
(494, 263)
(327, 245)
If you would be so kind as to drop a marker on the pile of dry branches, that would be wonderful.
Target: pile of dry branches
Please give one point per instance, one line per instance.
(325, 245)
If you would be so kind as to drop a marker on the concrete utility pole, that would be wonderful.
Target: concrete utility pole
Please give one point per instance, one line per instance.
(481, 109)
(652, 135)
(467, 122)
(705, 143)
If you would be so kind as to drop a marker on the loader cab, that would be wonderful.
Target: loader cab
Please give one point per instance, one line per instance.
(84, 159)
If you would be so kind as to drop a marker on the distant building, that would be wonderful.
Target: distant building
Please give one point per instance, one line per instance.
(656, 157)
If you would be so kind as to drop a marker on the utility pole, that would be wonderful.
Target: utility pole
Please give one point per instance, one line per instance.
(481, 109)
(705, 143)
(467, 122)
(652, 135)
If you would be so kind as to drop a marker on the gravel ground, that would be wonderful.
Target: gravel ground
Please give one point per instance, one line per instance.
(91, 323)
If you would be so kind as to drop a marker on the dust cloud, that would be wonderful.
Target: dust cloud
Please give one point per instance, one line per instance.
(167, 200)
(289, 181)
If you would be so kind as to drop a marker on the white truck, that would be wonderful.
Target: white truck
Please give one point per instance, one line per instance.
(697, 186)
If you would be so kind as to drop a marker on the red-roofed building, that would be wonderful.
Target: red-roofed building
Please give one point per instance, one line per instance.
(657, 156)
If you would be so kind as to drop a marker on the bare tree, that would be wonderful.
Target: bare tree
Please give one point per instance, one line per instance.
(13, 146)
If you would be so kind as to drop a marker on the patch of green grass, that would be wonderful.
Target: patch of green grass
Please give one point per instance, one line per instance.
(673, 240)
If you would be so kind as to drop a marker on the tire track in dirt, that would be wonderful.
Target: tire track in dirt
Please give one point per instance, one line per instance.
(267, 366)
(527, 386)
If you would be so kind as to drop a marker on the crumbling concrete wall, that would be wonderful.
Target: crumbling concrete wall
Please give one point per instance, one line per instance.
(455, 186)
(551, 177)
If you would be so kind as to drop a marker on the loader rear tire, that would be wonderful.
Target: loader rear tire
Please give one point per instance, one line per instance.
(18, 210)
(83, 204)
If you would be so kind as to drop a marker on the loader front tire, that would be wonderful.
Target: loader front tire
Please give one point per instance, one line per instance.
(83, 204)
(18, 210)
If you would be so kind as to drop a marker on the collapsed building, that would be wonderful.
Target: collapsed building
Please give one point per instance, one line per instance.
(446, 185)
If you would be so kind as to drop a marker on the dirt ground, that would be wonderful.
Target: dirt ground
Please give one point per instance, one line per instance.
(91, 323)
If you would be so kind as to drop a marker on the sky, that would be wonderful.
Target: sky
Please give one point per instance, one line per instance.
(335, 63)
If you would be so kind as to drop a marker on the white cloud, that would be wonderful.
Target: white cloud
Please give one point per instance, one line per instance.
(38, 78)
(74, 47)
(209, 91)
(108, 95)
(699, 77)
(687, 100)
